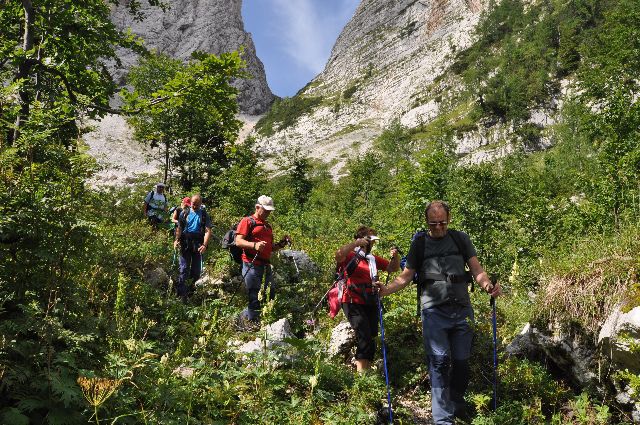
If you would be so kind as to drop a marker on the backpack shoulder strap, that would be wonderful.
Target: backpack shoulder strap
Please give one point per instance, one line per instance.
(457, 239)
(252, 225)
(456, 236)
(203, 221)
(182, 220)
(421, 238)
(349, 268)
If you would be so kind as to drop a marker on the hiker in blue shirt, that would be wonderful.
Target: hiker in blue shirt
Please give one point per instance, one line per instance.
(192, 236)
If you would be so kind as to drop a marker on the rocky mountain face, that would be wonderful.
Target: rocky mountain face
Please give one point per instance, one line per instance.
(212, 26)
(385, 57)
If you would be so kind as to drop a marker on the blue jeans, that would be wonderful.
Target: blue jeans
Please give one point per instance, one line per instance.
(190, 267)
(253, 277)
(447, 335)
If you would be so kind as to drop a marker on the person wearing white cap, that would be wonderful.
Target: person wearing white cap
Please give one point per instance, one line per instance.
(359, 301)
(255, 237)
(155, 205)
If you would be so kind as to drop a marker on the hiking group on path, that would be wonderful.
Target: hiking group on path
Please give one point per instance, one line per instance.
(442, 261)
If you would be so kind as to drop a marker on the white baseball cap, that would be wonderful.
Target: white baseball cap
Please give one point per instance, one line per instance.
(266, 202)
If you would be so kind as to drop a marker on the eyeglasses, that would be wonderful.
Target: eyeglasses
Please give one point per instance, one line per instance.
(436, 223)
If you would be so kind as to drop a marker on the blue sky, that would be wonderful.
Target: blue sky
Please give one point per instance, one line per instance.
(294, 38)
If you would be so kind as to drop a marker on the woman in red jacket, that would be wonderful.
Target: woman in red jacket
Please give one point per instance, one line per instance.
(359, 301)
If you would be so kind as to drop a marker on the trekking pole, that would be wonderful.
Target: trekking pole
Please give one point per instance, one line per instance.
(173, 263)
(243, 276)
(321, 299)
(495, 353)
(384, 354)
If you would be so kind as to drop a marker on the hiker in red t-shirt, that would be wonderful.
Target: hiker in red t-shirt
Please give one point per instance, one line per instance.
(255, 236)
(359, 301)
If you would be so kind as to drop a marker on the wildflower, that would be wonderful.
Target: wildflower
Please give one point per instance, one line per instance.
(98, 390)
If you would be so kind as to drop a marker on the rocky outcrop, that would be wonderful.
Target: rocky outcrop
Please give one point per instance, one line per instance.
(384, 59)
(562, 349)
(300, 261)
(157, 277)
(343, 341)
(619, 334)
(275, 336)
(582, 362)
(212, 26)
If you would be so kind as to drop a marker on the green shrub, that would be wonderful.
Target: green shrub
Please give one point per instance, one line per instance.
(285, 112)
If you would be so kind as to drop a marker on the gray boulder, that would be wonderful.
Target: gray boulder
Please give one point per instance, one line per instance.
(620, 332)
(156, 277)
(343, 341)
(274, 338)
(563, 349)
(300, 261)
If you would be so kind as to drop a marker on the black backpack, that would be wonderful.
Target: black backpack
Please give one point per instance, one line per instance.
(229, 240)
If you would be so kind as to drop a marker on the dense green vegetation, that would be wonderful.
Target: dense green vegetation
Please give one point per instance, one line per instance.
(285, 112)
(84, 337)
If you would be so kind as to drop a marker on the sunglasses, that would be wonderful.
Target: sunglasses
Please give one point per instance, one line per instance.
(437, 223)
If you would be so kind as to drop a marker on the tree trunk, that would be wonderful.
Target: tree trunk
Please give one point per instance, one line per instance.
(166, 160)
(24, 68)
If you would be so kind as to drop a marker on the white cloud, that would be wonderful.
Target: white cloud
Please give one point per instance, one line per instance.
(309, 28)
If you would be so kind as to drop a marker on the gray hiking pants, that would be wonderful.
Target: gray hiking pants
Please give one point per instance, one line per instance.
(447, 335)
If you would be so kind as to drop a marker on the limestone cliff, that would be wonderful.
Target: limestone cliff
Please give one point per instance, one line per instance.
(383, 61)
(213, 26)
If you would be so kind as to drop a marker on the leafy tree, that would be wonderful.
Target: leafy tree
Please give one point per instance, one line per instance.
(188, 108)
(297, 169)
(238, 185)
(608, 78)
(55, 52)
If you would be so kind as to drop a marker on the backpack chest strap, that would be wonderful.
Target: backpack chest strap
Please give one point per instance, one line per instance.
(450, 278)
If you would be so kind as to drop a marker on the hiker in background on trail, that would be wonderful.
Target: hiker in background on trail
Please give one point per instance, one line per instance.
(192, 236)
(359, 298)
(439, 256)
(255, 237)
(155, 205)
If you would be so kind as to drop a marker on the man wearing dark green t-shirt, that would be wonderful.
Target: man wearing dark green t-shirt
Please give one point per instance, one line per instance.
(439, 258)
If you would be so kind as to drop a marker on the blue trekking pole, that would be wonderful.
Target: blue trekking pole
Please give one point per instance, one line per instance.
(384, 355)
(495, 354)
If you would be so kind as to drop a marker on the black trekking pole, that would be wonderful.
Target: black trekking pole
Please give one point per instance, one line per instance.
(384, 353)
(495, 353)
(243, 276)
